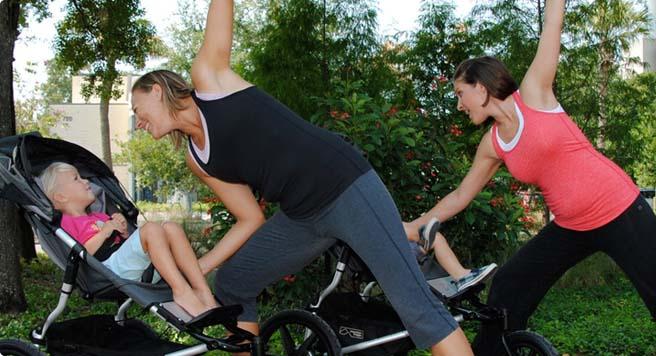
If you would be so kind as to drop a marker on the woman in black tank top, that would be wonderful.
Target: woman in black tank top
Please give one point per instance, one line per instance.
(241, 140)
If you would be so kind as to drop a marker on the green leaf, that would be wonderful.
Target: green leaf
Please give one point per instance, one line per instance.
(408, 141)
(369, 147)
(469, 217)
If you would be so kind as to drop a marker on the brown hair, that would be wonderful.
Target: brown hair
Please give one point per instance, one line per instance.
(174, 88)
(491, 73)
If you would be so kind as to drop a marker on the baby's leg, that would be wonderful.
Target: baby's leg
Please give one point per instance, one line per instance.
(188, 263)
(447, 259)
(155, 243)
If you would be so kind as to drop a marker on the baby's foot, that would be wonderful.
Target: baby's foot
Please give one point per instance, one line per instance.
(207, 298)
(190, 302)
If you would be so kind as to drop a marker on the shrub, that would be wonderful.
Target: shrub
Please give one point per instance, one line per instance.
(420, 166)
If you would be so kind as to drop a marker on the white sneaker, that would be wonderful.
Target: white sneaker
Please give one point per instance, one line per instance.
(475, 276)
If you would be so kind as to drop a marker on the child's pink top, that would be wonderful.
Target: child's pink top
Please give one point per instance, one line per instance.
(82, 228)
(582, 188)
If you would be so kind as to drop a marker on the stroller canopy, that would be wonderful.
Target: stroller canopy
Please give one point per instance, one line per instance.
(23, 157)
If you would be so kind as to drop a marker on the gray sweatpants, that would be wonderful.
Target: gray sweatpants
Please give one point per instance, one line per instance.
(364, 217)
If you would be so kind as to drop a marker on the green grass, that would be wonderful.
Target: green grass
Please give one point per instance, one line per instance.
(577, 316)
(601, 320)
(594, 310)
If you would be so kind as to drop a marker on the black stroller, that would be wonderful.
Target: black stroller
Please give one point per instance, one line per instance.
(22, 158)
(363, 323)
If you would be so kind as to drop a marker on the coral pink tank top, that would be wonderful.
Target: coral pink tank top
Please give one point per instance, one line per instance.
(582, 188)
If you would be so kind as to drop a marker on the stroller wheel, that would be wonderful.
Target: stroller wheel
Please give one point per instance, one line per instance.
(520, 343)
(300, 333)
(16, 347)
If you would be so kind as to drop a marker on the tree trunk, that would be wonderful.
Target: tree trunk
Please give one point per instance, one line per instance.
(107, 86)
(602, 88)
(12, 298)
(104, 131)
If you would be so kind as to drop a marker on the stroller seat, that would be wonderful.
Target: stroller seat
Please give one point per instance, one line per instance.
(439, 281)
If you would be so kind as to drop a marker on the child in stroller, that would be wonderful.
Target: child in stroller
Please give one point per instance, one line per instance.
(22, 159)
(430, 239)
(166, 244)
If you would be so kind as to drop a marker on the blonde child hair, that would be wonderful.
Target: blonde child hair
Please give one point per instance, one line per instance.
(49, 177)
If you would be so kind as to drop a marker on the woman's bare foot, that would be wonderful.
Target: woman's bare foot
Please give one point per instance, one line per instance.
(190, 302)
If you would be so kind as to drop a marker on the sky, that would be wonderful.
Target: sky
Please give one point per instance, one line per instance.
(35, 43)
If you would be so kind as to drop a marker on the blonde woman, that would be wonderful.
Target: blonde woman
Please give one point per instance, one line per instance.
(240, 140)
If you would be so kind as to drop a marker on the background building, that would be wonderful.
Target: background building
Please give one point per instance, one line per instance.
(82, 124)
(645, 48)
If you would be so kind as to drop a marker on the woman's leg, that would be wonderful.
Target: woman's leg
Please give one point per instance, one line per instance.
(280, 247)
(187, 262)
(630, 240)
(365, 217)
(454, 344)
(521, 283)
(155, 243)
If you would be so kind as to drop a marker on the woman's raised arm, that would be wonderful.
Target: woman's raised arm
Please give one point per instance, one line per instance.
(210, 71)
(536, 87)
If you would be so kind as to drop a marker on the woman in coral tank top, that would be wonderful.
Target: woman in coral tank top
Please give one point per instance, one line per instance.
(597, 207)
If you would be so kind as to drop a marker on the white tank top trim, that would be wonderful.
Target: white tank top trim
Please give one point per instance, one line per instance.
(507, 147)
(194, 159)
(210, 96)
(203, 154)
(558, 109)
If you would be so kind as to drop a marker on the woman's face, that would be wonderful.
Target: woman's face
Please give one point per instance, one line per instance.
(151, 113)
(471, 98)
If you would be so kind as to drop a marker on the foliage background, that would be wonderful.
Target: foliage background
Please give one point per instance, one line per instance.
(392, 97)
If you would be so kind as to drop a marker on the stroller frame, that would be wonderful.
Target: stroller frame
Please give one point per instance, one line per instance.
(440, 285)
(169, 312)
(463, 305)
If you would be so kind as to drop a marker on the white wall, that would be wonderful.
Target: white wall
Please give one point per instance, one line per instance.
(649, 46)
(81, 125)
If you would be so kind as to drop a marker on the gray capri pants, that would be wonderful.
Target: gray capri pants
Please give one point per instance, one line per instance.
(365, 217)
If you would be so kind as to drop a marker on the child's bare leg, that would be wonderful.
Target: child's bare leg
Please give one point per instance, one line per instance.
(447, 259)
(188, 263)
(155, 243)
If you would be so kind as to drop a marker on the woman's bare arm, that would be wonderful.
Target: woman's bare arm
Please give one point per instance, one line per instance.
(536, 87)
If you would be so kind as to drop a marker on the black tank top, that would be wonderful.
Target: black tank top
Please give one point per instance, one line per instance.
(256, 140)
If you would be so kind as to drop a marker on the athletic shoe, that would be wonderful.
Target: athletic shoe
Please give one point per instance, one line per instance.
(475, 276)
(427, 234)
